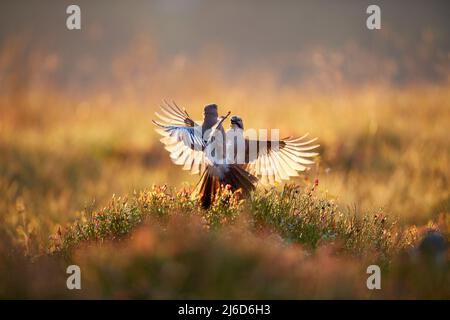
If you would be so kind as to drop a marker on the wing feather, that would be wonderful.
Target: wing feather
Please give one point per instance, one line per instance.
(272, 163)
(181, 137)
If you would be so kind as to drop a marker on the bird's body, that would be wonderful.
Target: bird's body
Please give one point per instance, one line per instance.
(228, 158)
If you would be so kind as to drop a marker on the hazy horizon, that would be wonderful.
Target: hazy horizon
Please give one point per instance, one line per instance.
(288, 38)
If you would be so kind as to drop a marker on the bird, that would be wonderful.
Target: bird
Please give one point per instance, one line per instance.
(273, 160)
(228, 158)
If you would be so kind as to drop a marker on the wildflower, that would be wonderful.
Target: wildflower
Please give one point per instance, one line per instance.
(316, 182)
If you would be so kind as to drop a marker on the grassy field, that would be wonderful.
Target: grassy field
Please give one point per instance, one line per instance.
(84, 180)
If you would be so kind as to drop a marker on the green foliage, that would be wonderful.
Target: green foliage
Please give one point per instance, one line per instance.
(305, 218)
(297, 215)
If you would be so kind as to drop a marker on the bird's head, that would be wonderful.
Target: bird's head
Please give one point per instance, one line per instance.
(236, 123)
(211, 110)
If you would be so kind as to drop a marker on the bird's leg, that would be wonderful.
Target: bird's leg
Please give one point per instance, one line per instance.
(214, 128)
(223, 119)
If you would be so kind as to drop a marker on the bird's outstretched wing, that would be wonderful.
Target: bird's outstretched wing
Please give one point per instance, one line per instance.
(279, 160)
(182, 137)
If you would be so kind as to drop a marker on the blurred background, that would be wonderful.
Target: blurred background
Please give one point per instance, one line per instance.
(285, 39)
(75, 106)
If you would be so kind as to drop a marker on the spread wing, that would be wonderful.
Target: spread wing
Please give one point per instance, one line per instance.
(182, 137)
(279, 160)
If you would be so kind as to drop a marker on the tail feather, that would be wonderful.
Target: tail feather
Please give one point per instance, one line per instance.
(238, 178)
(234, 175)
(205, 189)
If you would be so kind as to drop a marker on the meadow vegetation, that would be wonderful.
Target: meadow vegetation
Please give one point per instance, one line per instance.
(84, 180)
